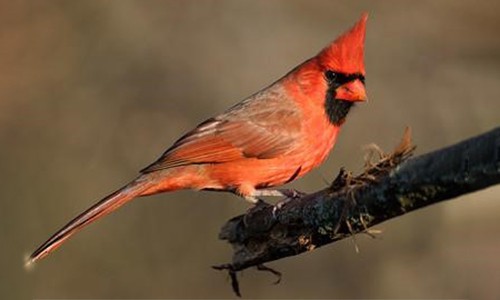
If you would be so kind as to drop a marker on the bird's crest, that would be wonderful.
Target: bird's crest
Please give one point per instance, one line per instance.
(345, 54)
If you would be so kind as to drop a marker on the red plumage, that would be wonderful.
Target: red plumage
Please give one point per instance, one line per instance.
(268, 139)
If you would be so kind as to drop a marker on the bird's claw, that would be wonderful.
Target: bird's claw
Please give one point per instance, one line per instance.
(280, 205)
(292, 193)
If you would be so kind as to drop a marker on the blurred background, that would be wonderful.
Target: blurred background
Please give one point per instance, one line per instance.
(92, 91)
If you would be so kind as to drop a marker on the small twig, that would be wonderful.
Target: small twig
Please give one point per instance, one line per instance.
(232, 275)
(353, 236)
(261, 267)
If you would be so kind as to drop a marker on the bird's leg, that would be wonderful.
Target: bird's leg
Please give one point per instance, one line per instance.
(292, 193)
(268, 193)
(279, 205)
(252, 199)
(289, 194)
(257, 204)
(263, 193)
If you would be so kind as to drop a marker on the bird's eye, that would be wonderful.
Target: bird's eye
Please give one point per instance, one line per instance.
(362, 79)
(330, 76)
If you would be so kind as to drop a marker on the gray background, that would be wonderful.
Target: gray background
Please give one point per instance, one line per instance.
(92, 91)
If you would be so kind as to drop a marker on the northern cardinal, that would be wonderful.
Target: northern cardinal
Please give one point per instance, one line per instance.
(270, 138)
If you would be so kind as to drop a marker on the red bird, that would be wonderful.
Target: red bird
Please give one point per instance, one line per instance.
(271, 138)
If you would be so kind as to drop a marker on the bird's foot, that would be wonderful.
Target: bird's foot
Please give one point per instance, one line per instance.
(280, 205)
(292, 193)
(289, 194)
(253, 199)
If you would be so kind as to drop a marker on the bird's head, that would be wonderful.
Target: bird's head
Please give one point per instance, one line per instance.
(343, 70)
(336, 76)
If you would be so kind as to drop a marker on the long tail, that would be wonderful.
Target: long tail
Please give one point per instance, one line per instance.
(98, 210)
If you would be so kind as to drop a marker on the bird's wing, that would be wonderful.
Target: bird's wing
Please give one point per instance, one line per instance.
(251, 129)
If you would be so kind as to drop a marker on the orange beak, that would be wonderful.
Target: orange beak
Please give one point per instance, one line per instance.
(352, 91)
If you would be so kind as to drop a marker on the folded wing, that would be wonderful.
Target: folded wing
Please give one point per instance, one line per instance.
(254, 129)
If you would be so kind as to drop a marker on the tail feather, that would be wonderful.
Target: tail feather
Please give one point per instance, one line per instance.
(98, 210)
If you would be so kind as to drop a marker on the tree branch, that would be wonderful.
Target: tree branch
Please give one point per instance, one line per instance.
(390, 188)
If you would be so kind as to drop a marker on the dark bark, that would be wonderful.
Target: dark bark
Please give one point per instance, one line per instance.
(390, 188)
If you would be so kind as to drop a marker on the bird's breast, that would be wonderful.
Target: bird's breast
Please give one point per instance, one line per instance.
(321, 137)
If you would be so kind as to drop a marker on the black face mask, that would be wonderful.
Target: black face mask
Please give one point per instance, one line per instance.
(337, 109)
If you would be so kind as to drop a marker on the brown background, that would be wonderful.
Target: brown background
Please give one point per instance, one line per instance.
(92, 91)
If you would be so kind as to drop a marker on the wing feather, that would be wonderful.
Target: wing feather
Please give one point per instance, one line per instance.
(260, 128)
